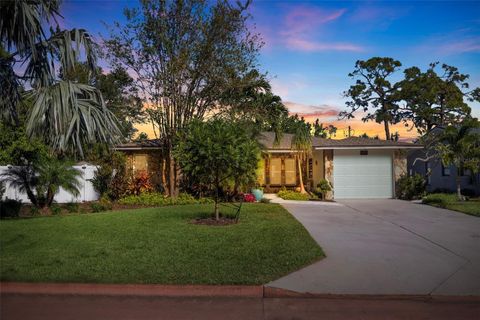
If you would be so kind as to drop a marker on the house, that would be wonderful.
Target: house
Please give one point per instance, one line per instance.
(440, 178)
(355, 167)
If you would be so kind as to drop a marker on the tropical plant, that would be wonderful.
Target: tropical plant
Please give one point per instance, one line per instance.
(322, 188)
(373, 93)
(460, 146)
(186, 56)
(140, 183)
(410, 187)
(214, 151)
(41, 182)
(65, 114)
(111, 178)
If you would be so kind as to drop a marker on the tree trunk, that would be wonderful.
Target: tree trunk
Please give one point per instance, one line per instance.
(458, 180)
(302, 187)
(387, 129)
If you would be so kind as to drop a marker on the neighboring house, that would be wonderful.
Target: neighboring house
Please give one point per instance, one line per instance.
(356, 167)
(442, 178)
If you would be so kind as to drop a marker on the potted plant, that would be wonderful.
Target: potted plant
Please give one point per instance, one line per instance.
(322, 188)
(258, 193)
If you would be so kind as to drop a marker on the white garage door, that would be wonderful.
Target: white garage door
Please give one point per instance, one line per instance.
(362, 174)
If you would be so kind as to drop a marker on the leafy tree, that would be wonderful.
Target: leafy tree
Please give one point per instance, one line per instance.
(373, 93)
(142, 136)
(185, 54)
(324, 132)
(433, 99)
(460, 146)
(214, 151)
(65, 114)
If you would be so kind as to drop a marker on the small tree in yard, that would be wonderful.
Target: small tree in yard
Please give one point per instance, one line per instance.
(460, 146)
(213, 152)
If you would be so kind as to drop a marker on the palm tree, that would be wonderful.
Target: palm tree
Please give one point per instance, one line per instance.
(41, 183)
(65, 113)
(302, 144)
(460, 146)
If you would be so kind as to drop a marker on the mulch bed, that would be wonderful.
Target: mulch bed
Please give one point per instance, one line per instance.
(223, 221)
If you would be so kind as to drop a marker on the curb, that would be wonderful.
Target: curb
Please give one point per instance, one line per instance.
(209, 291)
(151, 290)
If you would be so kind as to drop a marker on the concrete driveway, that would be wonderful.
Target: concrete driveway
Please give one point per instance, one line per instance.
(388, 247)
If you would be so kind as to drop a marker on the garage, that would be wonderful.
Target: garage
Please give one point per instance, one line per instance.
(362, 174)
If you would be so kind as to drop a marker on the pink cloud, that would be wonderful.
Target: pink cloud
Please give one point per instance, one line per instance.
(315, 46)
(463, 46)
(320, 111)
(303, 19)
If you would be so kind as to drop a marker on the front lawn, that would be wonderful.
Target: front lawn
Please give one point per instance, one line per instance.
(449, 201)
(156, 245)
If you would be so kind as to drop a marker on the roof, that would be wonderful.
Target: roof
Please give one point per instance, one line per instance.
(141, 145)
(285, 144)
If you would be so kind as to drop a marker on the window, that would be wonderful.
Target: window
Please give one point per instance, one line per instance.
(445, 171)
(140, 162)
(276, 171)
(290, 172)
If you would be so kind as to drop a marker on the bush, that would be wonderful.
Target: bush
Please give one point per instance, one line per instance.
(72, 207)
(102, 205)
(140, 183)
(248, 197)
(292, 195)
(265, 200)
(159, 199)
(410, 187)
(440, 199)
(55, 209)
(322, 187)
(10, 208)
(111, 177)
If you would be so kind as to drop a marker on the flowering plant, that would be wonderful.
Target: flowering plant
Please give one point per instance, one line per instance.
(248, 197)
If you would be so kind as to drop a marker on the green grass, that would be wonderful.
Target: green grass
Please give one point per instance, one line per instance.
(449, 201)
(292, 195)
(156, 245)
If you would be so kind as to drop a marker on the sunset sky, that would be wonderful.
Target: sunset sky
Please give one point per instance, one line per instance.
(310, 47)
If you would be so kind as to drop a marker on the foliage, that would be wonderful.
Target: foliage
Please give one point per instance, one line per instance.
(373, 93)
(55, 209)
(450, 201)
(16, 148)
(10, 208)
(322, 188)
(441, 199)
(65, 114)
(433, 99)
(248, 197)
(214, 151)
(292, 195)
(110, 178)
(136, 240)
(72, 207)
(186, 57)
(159, 199)
(2, 190)
(265, 200)
(328, 131)
(42, 181)
(460, 146)
(140, 183)
(104, 204)
(410, 187)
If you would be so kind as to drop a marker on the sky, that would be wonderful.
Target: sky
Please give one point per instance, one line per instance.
(311, 46)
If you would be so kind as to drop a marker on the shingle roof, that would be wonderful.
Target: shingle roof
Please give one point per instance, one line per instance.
(144, 144)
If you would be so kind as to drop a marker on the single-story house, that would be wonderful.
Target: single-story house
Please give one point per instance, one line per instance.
(440, 178)
(355, 167)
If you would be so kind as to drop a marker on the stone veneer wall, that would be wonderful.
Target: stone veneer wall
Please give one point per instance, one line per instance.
(399, 164)
(328, 172)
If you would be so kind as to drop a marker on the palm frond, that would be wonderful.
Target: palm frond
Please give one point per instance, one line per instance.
(68, 115)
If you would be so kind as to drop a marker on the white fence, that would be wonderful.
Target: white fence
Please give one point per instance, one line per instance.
(87, 192)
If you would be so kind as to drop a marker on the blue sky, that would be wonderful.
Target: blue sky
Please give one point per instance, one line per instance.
(311, 46)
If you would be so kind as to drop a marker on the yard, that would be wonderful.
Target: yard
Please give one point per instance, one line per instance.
(156, 245)
(449, 201)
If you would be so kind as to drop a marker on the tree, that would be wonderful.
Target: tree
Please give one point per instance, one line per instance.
(460, 146)
(42, 181)
(214, 151)
(185, 54)
(65, 114)
(373, 93)
(121, 97)
(432, 100)
(324, 132)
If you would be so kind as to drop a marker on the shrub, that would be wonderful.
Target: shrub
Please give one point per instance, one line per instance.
(102, 205)
(111, 177)
(159, 199)
(292, 195)
(248, 197)
(55, 209)
(440, 199)
(265, 200)
(72, 207)
(322, 188)
(10, 208)
(410, 187)
(140, 183)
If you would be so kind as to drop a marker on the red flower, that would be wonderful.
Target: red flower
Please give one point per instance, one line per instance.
(248, 197)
